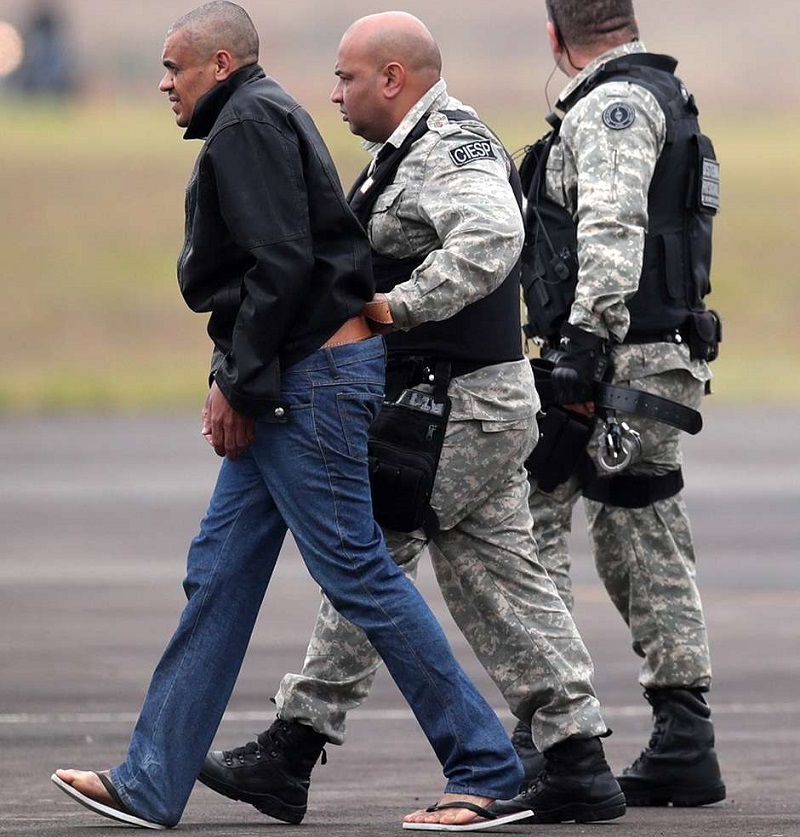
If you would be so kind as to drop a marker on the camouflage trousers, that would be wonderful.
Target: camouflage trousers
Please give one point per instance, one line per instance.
(644, 557)
(500, 597)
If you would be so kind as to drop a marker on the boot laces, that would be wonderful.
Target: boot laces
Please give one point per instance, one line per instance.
(266, 740)
(553, 766)
(276, 738)
(659, 725)
(541, 780)
(252, 748)
(658, 731)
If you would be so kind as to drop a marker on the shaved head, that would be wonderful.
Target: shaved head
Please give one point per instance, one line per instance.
(220, 25)
(397, 37)
(203, 49)
(386, 62)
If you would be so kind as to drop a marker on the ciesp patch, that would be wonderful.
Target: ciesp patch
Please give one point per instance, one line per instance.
(478, 150)
(619, 116)
(709, 184)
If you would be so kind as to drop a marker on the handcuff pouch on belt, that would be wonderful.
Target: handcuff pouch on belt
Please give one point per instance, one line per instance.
(405, 443)
(563, 438)
(563, 434)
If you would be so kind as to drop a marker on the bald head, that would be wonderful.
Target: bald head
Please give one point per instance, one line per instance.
(220, 26)
(398, 37)
(386, 62)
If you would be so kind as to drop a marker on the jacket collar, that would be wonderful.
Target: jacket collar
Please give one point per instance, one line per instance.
(435, 99)
(594, 65)
(209, 106)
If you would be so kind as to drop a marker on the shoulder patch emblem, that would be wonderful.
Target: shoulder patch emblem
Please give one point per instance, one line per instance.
(619, 116)
(437, 120)
(478, 150)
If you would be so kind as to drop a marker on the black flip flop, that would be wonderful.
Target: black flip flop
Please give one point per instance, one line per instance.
(119, 814)
(488, 819)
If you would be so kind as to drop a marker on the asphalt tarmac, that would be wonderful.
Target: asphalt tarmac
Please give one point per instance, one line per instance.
(95, 518)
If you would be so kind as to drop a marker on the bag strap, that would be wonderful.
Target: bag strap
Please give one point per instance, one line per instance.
(368, 186)
(441, 380)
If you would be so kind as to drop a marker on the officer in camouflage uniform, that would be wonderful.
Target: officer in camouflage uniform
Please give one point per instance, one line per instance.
(607, 169)
(450, 218)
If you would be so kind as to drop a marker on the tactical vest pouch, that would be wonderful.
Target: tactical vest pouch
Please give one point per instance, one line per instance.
(703, 334)
(550, 253)
(563, 438)
(404, 446)
(549, 271)
(703, 203)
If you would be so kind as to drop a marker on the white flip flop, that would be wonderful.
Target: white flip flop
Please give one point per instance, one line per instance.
(104, 810)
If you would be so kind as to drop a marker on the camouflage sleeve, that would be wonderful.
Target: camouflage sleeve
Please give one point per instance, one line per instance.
(614, 137)
(466, 199)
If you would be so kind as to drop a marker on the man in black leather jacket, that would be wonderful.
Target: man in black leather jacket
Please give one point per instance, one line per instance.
(278, 272)
(274, 254)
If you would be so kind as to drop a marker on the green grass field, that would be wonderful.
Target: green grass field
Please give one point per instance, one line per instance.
(92, 222)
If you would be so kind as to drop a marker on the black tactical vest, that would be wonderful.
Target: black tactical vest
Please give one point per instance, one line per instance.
(682, 200)
(484, 333)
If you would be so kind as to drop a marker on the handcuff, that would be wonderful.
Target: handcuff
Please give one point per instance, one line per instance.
(620, 445)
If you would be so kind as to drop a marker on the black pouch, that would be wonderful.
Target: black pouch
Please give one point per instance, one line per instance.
(405, 443)
(563, 438)
(550, 254)
(703, 334)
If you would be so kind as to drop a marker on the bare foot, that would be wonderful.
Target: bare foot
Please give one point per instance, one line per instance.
(89, 784)
(451, 816)
(95, 792)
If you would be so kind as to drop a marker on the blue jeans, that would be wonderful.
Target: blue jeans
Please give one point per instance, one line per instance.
(309, 476)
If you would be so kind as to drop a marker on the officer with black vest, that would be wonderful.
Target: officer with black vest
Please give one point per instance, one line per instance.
(446, 234)
(620, 200)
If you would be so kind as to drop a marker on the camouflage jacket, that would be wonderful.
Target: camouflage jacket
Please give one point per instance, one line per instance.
(600, 170)
(460, 213)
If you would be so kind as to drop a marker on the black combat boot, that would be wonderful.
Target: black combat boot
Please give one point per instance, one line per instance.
(532, 760)
(680, 764)
(576, 783)
(273, 773)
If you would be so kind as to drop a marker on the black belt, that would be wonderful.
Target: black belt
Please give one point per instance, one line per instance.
(417, 368)
(404, 371)
(640, 403)
(464, 367)
(636, 402)
(674, 335)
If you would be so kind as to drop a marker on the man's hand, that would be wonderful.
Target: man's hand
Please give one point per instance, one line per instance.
(582, 361)
(228, 432)
(378, 314)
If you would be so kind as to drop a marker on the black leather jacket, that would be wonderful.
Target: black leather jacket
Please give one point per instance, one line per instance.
(272, 250)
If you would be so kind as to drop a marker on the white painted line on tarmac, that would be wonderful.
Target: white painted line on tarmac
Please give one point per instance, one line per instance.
(26, 718)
